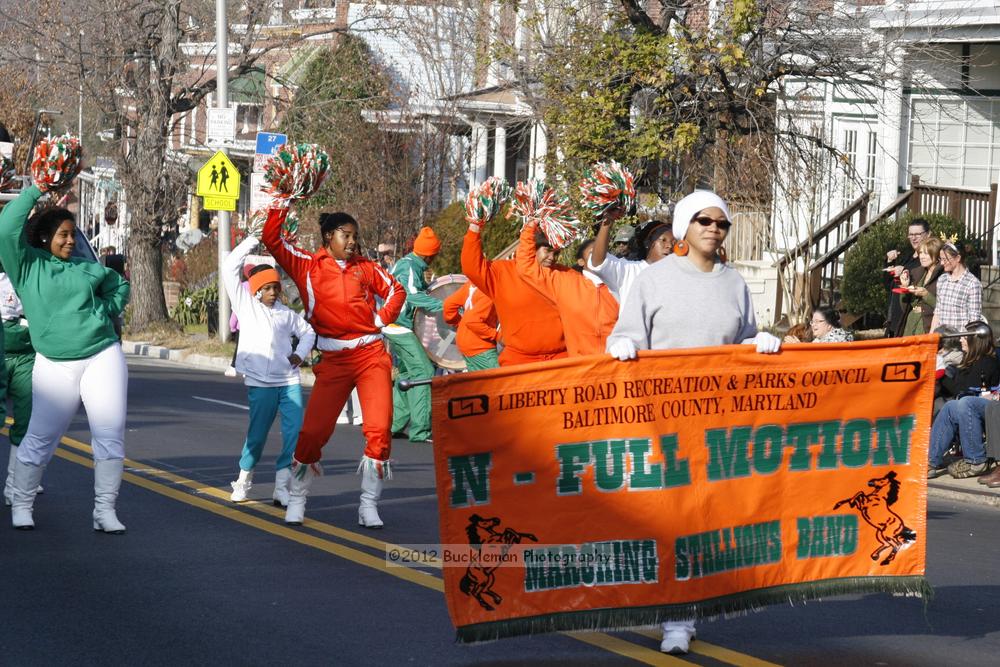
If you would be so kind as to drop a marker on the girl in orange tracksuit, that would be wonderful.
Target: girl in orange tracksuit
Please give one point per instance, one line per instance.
(586, 306)
(338, 288)
(475, 317)
(529, 324)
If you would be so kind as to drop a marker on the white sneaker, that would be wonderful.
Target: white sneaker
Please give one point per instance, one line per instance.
(282, 480)
(676, 642)
(241, 486)
(230, 372)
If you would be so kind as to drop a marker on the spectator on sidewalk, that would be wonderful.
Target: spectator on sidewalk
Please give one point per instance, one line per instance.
(972, 391)
(918, 305)
(959, 293)
(979, 366)
(269, 365)
(916, 232)
(825, 326)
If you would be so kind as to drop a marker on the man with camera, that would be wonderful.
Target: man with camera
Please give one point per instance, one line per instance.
(916, 233)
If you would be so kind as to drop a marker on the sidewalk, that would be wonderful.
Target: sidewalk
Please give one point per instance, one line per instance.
(964, 490)
(194, 360)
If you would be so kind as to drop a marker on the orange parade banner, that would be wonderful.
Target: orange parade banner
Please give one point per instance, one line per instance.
(590, 493)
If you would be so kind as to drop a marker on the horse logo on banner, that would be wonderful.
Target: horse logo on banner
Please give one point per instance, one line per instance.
(479, 578)
(875, 508)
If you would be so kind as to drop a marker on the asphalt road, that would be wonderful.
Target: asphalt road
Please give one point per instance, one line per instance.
(198, 580)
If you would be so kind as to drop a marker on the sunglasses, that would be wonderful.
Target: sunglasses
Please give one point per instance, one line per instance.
(705, 221)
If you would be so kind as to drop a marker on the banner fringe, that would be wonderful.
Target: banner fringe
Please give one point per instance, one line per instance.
(738, 604)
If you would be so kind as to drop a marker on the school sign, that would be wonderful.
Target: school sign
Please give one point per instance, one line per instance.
(597, 494)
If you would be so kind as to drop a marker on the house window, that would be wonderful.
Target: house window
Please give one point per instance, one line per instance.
(247, 118)
(955, 142)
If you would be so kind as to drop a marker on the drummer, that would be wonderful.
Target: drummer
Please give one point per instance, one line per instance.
(411, 410)
(474, 316)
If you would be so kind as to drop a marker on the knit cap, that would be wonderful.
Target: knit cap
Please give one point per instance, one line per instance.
(427, 242)
(691, 205)
(262, 278)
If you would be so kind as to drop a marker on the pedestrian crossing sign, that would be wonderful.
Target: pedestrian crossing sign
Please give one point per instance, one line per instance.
(219, 177)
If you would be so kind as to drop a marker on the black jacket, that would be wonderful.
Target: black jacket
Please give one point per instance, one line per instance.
(960, 382)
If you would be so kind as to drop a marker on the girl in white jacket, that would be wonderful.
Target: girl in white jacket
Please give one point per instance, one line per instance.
(269, 366)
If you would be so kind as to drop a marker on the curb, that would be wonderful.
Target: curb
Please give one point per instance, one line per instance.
(980, 495)
(203, 361)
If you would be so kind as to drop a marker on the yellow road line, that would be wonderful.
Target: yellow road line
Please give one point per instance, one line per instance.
(603, 641)
(360, 557)
(628, 649)
(256, 506)
(720, 653)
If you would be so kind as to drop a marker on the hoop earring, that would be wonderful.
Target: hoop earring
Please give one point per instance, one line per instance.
(681, 248)
(721, 252)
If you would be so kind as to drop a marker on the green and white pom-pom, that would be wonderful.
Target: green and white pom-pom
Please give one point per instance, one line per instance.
(56, 162)
(296, 171)
(606, 186)
(485, 201)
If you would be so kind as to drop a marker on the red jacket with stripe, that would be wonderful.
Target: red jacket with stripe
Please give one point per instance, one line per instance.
(339, 303)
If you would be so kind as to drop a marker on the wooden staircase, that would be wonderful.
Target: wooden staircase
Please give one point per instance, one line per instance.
(811, 272)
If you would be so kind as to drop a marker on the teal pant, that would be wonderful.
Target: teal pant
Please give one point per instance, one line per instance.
(18, 387)
(18, 358)
(411, 407)
(265, 402)
(483, 361)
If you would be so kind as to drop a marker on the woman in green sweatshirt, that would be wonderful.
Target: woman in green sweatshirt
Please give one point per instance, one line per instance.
(71, 304)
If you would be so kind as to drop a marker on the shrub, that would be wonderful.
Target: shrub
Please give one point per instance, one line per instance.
(862, 290)
(450, 226)
(192, 307)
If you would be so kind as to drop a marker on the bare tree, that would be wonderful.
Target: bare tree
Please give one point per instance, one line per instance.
(129, 56)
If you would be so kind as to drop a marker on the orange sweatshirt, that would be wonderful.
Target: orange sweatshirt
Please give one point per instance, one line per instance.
(477, 325)
(529, 324)
(588, 311)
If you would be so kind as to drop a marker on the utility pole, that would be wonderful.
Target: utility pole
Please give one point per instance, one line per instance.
(222, 102)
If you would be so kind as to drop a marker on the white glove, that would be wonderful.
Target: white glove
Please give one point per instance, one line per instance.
(378, 321)
(766, 343)
(622, 349)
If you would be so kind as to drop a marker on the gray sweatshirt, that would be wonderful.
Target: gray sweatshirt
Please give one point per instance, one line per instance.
(672, 304)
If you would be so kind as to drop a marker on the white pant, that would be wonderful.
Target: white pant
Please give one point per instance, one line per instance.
(57, 387)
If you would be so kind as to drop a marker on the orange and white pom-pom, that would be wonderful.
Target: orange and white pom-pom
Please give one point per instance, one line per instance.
(485, 201)
(607, 186)
(56, 162)
(537, 203)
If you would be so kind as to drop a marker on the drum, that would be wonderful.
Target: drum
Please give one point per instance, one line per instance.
(437, 337)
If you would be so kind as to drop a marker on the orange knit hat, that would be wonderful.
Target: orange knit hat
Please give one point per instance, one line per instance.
(427, 243)
(262, 278)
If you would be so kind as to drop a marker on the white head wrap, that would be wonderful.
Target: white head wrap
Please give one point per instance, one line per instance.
(691, 205)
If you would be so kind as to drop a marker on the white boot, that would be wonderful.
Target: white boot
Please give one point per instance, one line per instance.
(241, 486)
(373, 474)
(677, 636)
(107, 480)
(282, 479)
(298, 489)
(24, 486)
(7, 487)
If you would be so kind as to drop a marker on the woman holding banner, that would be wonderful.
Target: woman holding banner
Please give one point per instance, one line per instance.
(657, 313)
